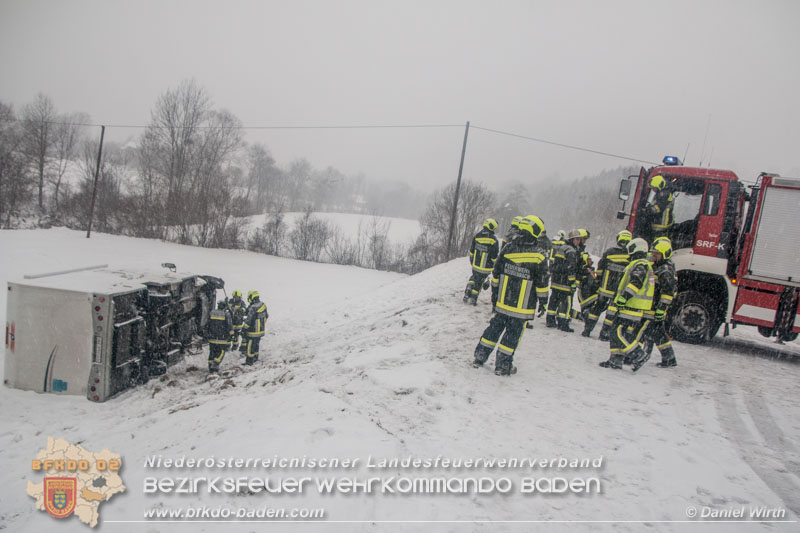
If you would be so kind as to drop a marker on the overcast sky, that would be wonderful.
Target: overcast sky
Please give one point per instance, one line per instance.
(639, 79)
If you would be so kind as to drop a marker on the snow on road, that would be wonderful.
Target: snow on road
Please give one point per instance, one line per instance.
(362, 364)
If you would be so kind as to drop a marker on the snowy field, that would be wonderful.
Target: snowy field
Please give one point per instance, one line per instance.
(398, 230)
(359, 364)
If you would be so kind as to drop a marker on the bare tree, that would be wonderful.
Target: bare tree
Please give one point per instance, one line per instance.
(183, 155)
(14, 185)
(69, 131)
(38, 130)
(475, 203)
(263, 180)
(298, 178)
(309, 237)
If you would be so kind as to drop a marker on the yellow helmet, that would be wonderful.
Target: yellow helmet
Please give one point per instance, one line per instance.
(252, 295)
(533, 225)
(490, 224)
(236, 293)
(624, 236)
(515, 222)
(583, 233)
(663, 246)
(658, 182)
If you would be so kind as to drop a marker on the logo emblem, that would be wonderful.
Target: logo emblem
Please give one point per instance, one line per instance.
(60, 495)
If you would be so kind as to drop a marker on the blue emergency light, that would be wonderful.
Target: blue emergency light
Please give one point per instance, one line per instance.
(671, 160)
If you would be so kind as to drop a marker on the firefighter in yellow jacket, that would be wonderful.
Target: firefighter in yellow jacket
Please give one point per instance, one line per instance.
(633, 298)
(519, 280)
(482, 255)
(254, 327)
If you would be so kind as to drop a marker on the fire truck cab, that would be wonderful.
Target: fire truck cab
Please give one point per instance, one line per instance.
(736, 252)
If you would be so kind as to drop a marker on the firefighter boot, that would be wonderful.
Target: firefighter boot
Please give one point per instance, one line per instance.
(550, 322)
(667, 358)
(563, 325)
(588, 327)
(482, 353)
(605, 333)
(615, 362)
(504, 364)
(639, 358)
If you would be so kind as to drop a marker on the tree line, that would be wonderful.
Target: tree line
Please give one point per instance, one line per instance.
(191, 177)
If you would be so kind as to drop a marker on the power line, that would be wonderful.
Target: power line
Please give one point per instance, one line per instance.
(311, 127)
(570, 146)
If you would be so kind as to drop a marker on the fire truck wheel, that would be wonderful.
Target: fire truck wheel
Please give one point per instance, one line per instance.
(694, 318)
(768, 332)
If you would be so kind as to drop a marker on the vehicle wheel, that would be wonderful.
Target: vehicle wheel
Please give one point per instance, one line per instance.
(693, 318)
(765, 331)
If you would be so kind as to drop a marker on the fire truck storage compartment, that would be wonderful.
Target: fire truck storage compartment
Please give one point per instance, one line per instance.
(776, 250)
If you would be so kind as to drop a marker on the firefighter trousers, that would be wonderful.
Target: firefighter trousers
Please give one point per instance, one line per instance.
(475, 284)
(559, 308)
(511, 328)
(656, 334)
(216, 352)
(252, 349)
(626, 338)
(600, 305)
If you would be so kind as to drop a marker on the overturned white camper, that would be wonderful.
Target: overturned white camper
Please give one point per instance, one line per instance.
(98, 331)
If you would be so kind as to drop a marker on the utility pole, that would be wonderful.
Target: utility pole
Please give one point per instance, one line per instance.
(455, 200)
(96, 174)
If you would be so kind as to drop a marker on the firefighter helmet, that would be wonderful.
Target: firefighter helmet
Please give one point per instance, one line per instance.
(533, 225)
(637, 245)
(516, 220)
(658, 182)
(664, 247)
(574, 234)
(236, 293)
(490, 224)
(252, 295)
(583, 233)
(561, 235)
(623, 237)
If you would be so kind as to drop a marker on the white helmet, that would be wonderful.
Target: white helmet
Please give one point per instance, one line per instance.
(637, 245)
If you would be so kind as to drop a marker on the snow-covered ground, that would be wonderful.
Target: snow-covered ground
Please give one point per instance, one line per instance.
(398, 230)
(360, 364)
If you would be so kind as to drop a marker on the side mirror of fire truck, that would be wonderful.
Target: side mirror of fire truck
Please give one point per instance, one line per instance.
(625, 189)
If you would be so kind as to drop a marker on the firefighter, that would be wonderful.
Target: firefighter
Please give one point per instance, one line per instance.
(587, 284)
(219, 330)
(237, 308)
(665, 289)
(660, 211)
(563, 282)
(633, 297)
(482, 255)
(254, 327)
(513, 231)
(609, 272)
(519, 274)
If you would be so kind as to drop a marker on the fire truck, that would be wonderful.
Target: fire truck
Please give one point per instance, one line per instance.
(736, 249)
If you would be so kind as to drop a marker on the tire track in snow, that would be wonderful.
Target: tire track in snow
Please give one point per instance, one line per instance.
(767, 458)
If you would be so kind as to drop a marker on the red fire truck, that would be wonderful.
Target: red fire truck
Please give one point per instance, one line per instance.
(736, 251)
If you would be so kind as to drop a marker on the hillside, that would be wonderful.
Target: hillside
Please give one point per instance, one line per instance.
(361, 364)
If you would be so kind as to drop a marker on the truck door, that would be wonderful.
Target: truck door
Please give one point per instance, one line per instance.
(709, 239)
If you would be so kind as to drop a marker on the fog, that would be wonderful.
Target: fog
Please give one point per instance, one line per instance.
(712, 81)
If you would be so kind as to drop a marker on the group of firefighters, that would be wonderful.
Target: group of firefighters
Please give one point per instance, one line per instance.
(634, 285)
(234, 325)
